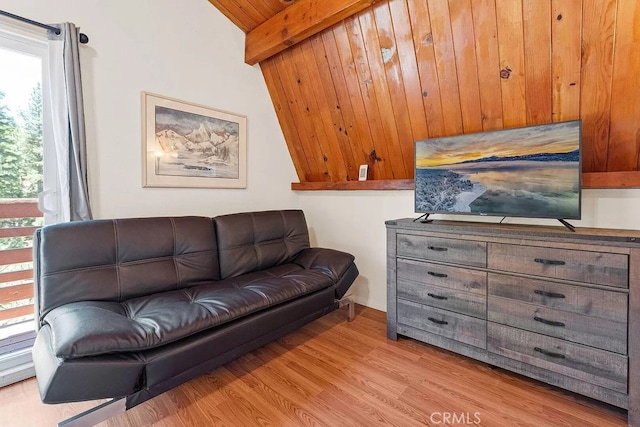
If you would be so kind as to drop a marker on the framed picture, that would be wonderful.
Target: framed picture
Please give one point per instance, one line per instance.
(189, 145)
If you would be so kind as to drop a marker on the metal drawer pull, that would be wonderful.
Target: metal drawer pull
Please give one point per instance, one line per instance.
(438, 248)
(549, 353)
(437, 296)
(548, 294)
(434, 274)
(438, 322)
(548, 322)
(549, 261)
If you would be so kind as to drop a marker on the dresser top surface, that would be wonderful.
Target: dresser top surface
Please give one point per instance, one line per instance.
(628, 237)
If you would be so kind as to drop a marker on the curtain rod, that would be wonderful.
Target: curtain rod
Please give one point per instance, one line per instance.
(83, 37)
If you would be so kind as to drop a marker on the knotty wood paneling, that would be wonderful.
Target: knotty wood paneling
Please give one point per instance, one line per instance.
(466, 65)
(318, 63)
(599, 18)
(285, 117)
(442, 36)
(364, 90)
(537, 44)
(565, 58)
(427, 71)
(624, 139)
(377, 82)
(486, 40)
(307, 138)
(350, 42)
(317, 108)
(511, 50)
(392, 73)
(349, 104)
(408, 68)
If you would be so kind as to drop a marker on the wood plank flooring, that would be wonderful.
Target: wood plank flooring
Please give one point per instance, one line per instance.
(335, 373)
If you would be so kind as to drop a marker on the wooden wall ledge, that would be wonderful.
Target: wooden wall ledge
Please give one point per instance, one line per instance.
(390, 184)
(630, 179)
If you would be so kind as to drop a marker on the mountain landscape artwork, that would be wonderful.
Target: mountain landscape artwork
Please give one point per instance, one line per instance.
(194, 145)
(187, 145)
(532, 171)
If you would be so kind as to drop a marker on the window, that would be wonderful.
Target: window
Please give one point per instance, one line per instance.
(24, 173)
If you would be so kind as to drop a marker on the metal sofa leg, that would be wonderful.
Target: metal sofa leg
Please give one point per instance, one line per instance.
(97, 414)
(352, 309)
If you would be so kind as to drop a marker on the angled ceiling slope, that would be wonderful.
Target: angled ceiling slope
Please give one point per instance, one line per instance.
(248, 14)
(274, 25)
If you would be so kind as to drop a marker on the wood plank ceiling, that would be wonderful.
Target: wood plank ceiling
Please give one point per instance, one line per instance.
(248, 14)
(363, 90)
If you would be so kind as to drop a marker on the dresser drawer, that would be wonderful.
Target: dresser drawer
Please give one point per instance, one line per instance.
(599, 303)
(460, 302)
(451, 325)
(455, 251)
(596, 367)
(450, 288)
(582, 266)
(455, 278)
(593, 331)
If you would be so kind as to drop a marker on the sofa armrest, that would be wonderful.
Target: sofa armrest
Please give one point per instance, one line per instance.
(331, 262)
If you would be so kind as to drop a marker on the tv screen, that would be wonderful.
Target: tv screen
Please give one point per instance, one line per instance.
(532, 171)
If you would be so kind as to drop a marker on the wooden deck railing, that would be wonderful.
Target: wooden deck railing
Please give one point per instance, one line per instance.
(16, 259)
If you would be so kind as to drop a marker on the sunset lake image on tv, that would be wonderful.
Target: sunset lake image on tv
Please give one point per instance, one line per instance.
(532, 171)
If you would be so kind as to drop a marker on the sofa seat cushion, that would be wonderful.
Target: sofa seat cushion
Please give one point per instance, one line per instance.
(90, 328)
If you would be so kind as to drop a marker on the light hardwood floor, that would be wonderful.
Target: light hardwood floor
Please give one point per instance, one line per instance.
(335, 373)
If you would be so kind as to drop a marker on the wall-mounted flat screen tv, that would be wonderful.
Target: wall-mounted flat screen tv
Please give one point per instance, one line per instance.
(532, 171)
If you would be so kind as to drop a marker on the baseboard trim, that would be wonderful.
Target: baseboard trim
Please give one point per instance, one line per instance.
(16, 366)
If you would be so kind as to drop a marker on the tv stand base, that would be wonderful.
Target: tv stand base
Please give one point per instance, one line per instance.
(423, 218)
(566, 224)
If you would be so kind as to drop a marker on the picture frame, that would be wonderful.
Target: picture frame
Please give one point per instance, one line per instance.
(188, 145)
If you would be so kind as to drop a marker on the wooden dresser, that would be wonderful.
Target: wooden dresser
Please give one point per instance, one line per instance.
(545, 302)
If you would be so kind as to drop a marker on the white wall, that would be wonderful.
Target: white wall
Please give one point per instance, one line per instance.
(182, 49)
(188, 50)
(354, 221)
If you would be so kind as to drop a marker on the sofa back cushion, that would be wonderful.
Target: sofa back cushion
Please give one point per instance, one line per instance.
(114, 260)
(258, 240)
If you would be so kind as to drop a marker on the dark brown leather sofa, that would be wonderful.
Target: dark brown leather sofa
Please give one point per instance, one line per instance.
(130, 308)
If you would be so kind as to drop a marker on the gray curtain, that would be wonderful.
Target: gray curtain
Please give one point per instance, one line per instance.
(67, 110)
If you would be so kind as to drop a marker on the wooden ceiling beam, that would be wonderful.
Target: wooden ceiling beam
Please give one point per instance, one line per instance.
(296, 23)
